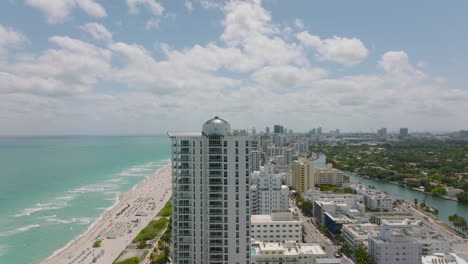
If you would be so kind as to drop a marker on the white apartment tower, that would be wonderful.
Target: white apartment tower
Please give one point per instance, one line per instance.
(268, 193)
(255, 160)
(211, 188)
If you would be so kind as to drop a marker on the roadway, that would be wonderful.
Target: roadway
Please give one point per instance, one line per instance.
(313, 235)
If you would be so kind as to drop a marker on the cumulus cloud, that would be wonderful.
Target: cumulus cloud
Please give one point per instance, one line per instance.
(347, 51)
(74, 67)
(152, 24)
(252, 67)
(298, 23)
(189, 6)
(284, 78)
(10, 38)
(152, 5)
(397, 66)
(58, 11)
(98, 31)
(140, 69)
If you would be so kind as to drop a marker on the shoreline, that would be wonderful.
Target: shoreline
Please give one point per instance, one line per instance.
(155, 189)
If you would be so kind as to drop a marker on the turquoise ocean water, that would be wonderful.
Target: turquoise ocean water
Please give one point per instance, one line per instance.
(53, 188)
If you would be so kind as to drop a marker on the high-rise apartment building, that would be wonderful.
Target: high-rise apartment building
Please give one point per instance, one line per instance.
(211, 195)
(277, 129)
(382, 132)
(328, 176)
(404, 132)
(255, 160)
(268, 193)
(319, 131)
(302, 175)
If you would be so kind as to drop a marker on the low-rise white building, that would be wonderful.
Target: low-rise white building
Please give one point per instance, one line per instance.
(443, 258)
(358, 234)
(267, 192)
(394, 246)
(374, 199)
(276, 227)
(287, 252)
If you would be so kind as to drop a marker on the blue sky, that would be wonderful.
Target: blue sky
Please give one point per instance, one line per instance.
(148, 66)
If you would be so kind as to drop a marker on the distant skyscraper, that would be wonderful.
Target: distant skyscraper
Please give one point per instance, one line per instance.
(312, 132)
(277, 129)
(382, 132)
(403, 132)
(267, 130)
(211, 195)
(254, 131)
(319, 131)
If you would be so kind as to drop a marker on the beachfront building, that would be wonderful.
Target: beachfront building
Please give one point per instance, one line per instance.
(276, 227)
(211, 195)
(267, 192)
(302, 175)
(286, 252)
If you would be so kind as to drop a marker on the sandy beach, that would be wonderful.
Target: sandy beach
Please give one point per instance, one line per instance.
(141, 204)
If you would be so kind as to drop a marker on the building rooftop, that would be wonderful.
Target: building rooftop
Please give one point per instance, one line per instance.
(290, 248)
(184, 134)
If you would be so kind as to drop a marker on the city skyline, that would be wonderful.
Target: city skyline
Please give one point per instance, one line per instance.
(136, 67)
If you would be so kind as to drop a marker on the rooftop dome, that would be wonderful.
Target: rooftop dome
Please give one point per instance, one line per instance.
(216, 126)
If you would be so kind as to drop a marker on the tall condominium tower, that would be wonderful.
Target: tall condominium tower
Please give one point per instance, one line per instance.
(211, 188)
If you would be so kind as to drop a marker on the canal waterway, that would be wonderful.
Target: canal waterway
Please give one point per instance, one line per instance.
(446, 207)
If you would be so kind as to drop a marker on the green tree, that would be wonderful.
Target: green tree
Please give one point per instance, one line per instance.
(439, 191)
(463, 197)
(362, 256)
(416, 201)
(346, 249)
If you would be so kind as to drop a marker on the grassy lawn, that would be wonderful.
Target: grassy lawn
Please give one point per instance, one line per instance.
(134, 260)
(152, 230)
(167, 209)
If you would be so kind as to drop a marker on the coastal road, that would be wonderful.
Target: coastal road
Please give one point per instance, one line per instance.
(313, 235)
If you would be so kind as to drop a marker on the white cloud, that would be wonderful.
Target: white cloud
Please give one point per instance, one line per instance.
(58, 11)
(253, 67)
(245, 19)
(347, 51)
(396, 65)
(299, 24)
(284, 78)
(154, 7)
(188, 5)
(140, 70)
(72, 68)
(152, 24)
(98, 31)
(10, 38)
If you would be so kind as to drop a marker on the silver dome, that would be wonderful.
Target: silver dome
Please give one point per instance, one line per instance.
(216, 126)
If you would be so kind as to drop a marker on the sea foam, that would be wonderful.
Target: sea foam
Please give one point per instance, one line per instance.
(18, 230)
